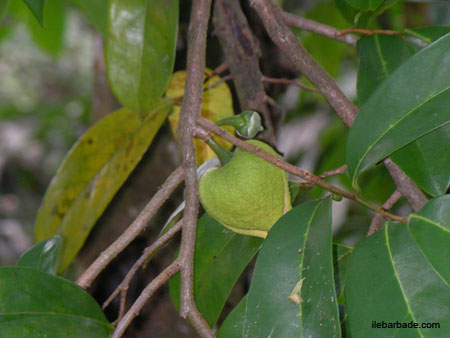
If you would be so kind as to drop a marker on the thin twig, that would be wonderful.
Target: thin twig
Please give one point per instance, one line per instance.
(208, 125)
(334, 172)
(377, 220)
(148, 292)
(215, 84)
(412, 193)
(344, 32)
(288, 43)
(123, 287)
(133, 230)
(290, 82)
(220, 69)
(190, 112)
(318, 28)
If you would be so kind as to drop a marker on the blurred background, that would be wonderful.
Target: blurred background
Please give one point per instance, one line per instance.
(54, 87)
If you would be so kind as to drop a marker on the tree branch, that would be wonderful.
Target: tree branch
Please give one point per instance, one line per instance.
(317, 27)
(337, 171)
(287, 42)
(377, 220)
(148, 292)
(290, 82)
(133, 230)
(346, 110)
(210, 126)
(404, 184)
(190, 112)
(242, 55)
(123, 287)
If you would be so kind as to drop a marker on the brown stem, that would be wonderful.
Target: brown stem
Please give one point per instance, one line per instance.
(133, 230)
(242, 53)
(208, 125)
(220, 69)
(190, 112)
(290, 82)
(344, 32)
(404, 184)
(334, 172)
(377, 220)
(318, 28)
(148, 292)
(287, 42)
(123, 287)
(215, 84)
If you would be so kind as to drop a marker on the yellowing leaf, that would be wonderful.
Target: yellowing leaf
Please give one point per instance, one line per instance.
(90, 175)
(217, 104)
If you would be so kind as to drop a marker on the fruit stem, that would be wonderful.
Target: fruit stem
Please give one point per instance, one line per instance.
(223, 154)
(247, 123)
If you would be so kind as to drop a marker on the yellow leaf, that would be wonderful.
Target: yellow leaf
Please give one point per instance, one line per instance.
(90, 175)
(217, 104)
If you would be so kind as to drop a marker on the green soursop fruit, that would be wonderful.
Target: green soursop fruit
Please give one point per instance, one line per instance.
(248, 194)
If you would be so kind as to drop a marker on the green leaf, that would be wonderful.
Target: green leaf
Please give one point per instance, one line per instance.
(50, 36)
(347, 11)
(379, 56)
(422, 36)
(426, 161)
(410, 103)
(365, 5)
(423, 160)
(140, 50)
(233, 325)
(43, 256)
(341, 255)
(430, 228)
(90, 175)
(37, 304)
(96, 12)
(390, 279)
(37, 8)
(220, 257)
(292, 293)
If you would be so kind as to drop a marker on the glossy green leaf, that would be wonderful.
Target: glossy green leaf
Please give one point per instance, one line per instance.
(37, 304)
(96, 12)
(426, 161)
(292, 293)
(379, 56)
(365, 5)
(50, 37)
(220, 257)
(423, 36)
(37, 8)
(90, 175)
(423, 160)
(43, 256)
(410, 103)
(390, 280)
(430, 228)
(233, 325)
(140, 50)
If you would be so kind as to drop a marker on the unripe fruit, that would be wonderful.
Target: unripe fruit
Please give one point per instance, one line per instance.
(248, 194)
